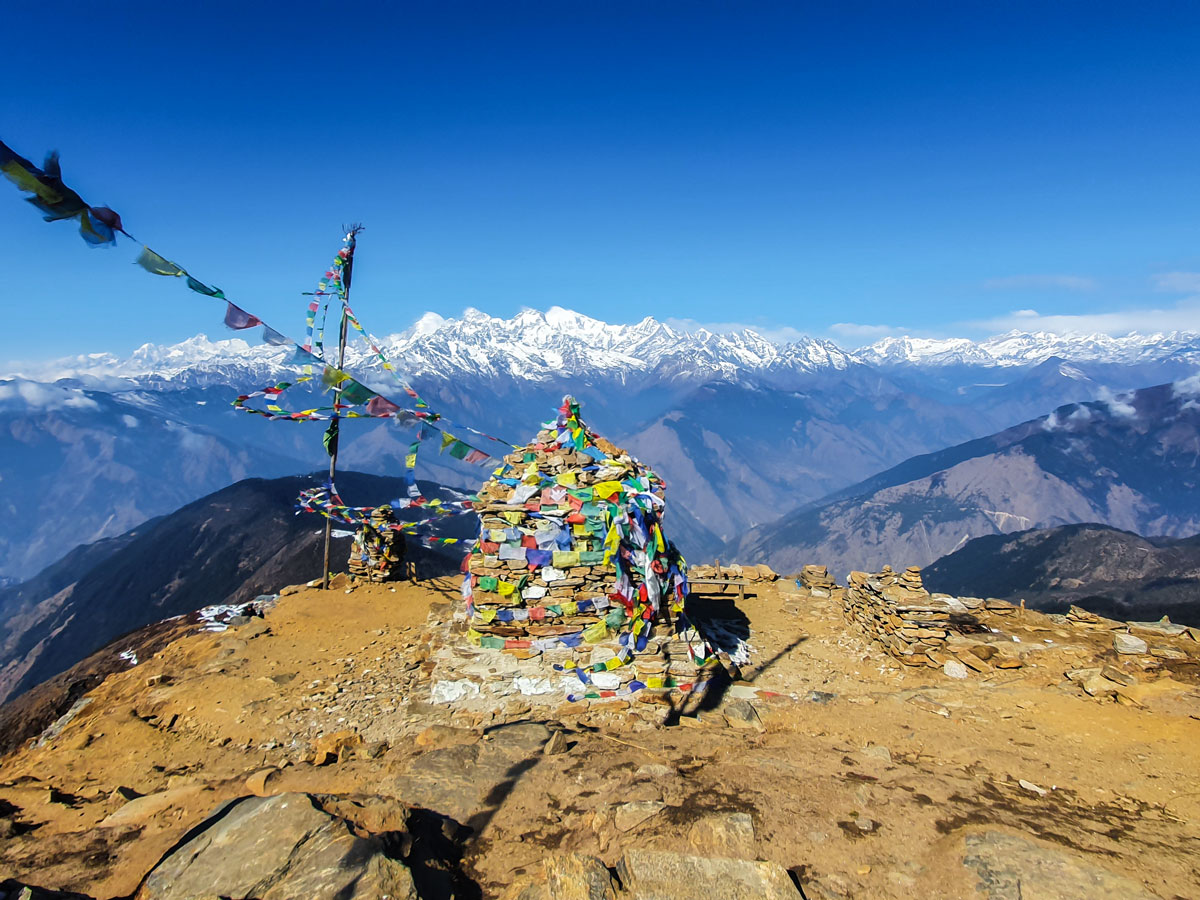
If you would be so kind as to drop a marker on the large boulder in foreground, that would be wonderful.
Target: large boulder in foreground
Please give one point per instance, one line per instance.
(278, 848)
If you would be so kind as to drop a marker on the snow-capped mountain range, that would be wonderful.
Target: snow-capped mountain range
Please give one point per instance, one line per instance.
(743, 428)
(559, 343)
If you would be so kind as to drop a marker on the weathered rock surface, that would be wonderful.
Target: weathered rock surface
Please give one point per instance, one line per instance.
(664, 875)
(278, 848)
(577, 877)
(723, 834)
(1128, 643)
(1013, 868)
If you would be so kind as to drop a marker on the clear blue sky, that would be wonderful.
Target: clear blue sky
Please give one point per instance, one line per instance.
(918, 165)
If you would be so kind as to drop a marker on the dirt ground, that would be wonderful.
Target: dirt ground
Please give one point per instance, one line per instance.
(865, 778)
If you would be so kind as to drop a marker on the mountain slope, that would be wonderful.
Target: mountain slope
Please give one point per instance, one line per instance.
(228, 547)
(1130, 462)
(77, 466)
(1111, 572)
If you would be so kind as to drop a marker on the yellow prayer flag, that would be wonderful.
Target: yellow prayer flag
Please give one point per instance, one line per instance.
(606, 489)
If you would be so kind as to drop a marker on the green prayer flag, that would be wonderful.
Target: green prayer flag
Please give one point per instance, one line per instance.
(353, 392)
(201, 288)
(459, 450)
(331, 438)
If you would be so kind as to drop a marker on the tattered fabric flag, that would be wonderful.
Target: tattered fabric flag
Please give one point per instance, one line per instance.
(381, 406)
(95, 226)
(354, 393)
(238, 319)
(57, 201)
(475, 457)
(332, 377)
(157, 265)
(459, 450)
(201, 288)
(302, 356)
(330, 440)
(274, 338)
(447, 440)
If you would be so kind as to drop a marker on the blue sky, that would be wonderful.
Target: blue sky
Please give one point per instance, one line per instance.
(955, 168)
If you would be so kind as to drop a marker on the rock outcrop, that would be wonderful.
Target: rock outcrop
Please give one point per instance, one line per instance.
(278, 848)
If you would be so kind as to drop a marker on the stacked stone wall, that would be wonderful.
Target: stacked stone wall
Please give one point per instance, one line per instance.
(899, 614)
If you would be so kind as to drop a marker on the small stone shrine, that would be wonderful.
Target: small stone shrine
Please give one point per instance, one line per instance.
(572, 569)
(377, 552)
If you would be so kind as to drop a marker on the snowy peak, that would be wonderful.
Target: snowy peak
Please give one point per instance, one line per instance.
(560, 343)
(1023, 348)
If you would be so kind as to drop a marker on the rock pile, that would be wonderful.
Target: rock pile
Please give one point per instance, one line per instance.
(753, 573)
(572, 564)
(377, 552)
(898, 613)
(817, 580)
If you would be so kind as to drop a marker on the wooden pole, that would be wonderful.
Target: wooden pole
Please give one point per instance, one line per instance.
(347, 274)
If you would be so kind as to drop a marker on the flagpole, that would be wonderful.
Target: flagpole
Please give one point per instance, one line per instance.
(347, 274)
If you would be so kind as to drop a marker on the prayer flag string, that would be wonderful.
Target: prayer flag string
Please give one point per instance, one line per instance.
(98, 226)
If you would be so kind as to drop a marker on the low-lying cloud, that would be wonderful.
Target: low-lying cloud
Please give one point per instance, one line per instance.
(1182, 316)
(31, 395)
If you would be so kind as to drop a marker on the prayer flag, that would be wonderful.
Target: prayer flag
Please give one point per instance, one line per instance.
(201, 288)
(381, 406)
(158, 265)
(238, 319)
(354, 393)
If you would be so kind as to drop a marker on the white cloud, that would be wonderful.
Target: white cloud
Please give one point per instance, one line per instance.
(1187, 387)
(1118, 404)
(1042, 282)
(1177, 282)
(30, 395)
(1182, 316)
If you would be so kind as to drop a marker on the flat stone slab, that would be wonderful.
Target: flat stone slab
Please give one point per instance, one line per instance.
(1013, 868)
(278, 848)
(664, 875)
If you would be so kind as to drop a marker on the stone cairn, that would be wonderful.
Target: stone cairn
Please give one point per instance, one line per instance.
(572, 569)
(898, 613)
(817, 580)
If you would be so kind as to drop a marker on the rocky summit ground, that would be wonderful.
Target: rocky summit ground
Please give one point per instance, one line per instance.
(298, 755)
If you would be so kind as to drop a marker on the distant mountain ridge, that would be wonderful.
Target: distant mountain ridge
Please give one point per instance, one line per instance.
(562, 343)
(1131, 462)
(742, 428)
(1108, 571)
